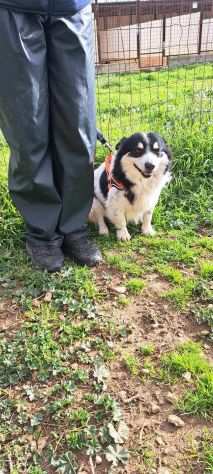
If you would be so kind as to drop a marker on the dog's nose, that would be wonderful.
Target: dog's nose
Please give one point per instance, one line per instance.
(149, 166)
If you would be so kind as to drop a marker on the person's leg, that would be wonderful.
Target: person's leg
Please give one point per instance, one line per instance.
(70, 45)
(24, 120)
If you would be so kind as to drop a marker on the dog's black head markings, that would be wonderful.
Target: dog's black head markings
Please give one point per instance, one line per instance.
(145, 150)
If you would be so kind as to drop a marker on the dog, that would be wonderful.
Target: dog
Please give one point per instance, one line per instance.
(129, 183)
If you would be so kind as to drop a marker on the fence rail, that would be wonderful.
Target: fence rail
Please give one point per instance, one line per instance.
(149, 33)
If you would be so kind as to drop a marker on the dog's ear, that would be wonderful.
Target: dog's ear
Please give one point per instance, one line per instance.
(167, 149)
(120, 143)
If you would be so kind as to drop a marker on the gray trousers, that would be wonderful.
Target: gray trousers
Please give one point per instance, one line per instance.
(47, 115)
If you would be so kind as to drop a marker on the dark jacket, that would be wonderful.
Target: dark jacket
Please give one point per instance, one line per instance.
(50, 7)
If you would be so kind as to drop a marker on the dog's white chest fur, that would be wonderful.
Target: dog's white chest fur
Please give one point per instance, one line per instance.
(146, 195)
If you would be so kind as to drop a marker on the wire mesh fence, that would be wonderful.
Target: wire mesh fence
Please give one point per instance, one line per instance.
(154, 62)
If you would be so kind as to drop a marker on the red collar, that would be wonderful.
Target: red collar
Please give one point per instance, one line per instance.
(112, 182)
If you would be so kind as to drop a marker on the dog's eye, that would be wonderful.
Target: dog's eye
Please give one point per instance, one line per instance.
(137, 152)
(156, 148)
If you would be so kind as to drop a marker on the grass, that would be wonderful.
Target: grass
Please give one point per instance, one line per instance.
(124, 264)
(172, 274)
(204, 314)
(135, 285)
(207, 451)
(147, 349)
(181, 295)
(189, 358)
(206, 270)
(59, 390)
(132, 364)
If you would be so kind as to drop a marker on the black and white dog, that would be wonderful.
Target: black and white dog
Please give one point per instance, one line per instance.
(129, 183)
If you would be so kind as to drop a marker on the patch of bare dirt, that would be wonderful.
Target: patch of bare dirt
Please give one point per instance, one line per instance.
(154, 444)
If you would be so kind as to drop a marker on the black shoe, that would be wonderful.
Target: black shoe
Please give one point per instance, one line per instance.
(45, 256)
(79, 248)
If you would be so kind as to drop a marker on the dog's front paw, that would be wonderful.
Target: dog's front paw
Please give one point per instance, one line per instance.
(148, 231)
(123, 234)
(103, 230)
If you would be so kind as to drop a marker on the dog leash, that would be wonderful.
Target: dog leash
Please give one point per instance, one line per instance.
(103, 141)
(112, 182)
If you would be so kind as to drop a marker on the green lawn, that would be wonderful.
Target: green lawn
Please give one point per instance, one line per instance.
(87, 357)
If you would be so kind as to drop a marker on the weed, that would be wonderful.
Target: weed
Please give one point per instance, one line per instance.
(124, 265)
(33, 349)
(81, 417)
(206, 242)
(206, 270)
(181, 295)
(132, 364)
(204, 314)
(189, 358)
(149, 368)
(199, 401)
(147, 349)
(163, 250)
(135, 286)
(148, 457)
(207, 450)
(105, 350)
(80, 376)
(172, 274)
(76, 439)
(123, 300)
(36, 470)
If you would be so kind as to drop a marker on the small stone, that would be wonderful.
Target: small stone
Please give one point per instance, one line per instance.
(155, 325)
(187, 376)
(176, 421)
(169, 451)
(159, 441)
(165, 461)
(207, 346)
(123, 396)
(48, 297)
(171, 397)
(98, 460)
(119, 289)
(205, 332)
(145, 371)
(154, 408)
(163, 470)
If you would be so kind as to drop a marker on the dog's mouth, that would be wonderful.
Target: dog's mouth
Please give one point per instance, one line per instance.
(145, 175)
